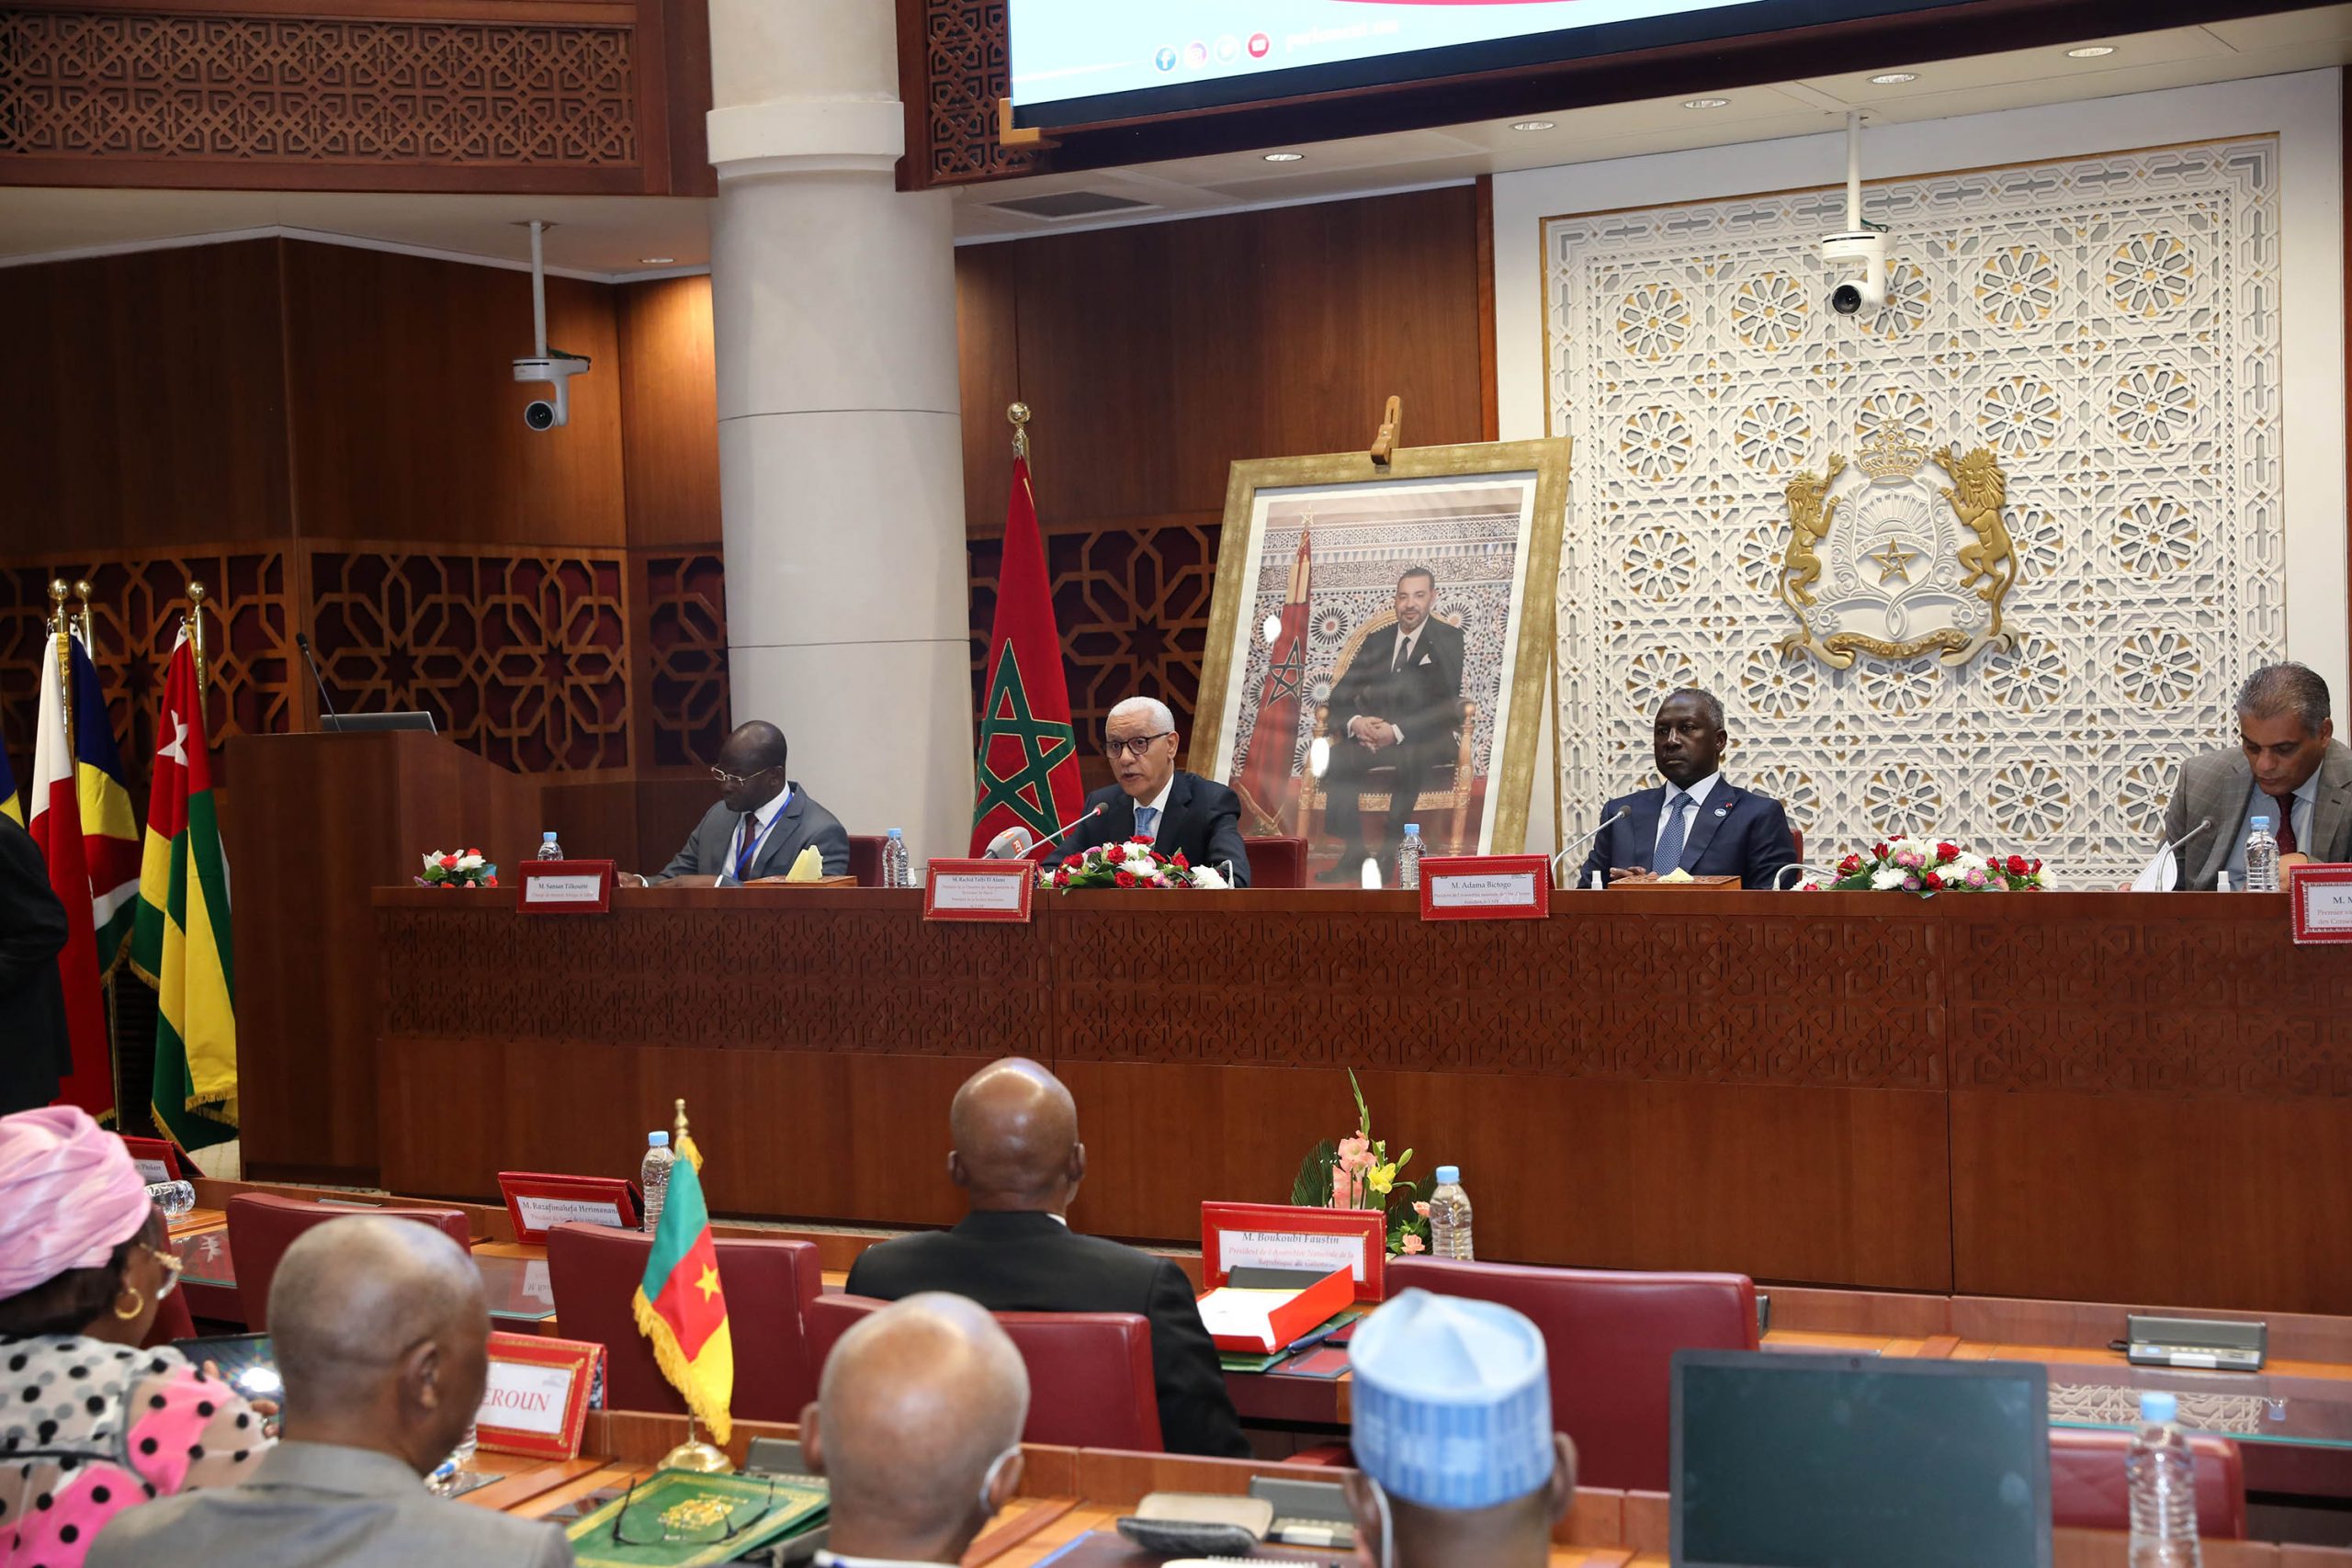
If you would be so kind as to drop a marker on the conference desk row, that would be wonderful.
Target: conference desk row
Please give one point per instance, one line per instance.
(2104, 1097)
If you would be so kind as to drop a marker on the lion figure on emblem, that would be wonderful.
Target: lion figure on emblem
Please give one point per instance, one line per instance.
(1977, 493)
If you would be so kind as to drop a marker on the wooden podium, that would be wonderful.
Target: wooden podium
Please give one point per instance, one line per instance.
(320, 820)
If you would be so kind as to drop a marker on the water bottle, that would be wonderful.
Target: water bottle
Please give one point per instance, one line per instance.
(2164, 1489)
(894, 860)
(2261, 856)
(548, 848)
(1449, 1215)
(448, 1474)
(654, 1176)
(1409, 857)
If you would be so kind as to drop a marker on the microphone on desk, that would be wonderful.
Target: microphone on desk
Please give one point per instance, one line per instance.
(302, 641)
(1015, 841)
(1577, 843)
(2162, 874)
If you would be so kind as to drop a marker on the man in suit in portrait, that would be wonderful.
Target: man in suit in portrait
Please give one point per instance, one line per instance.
(1018, 1159)
(38, 1051)
(1698, 820)
(1153, 798)
(1398, 706)
(2287, 766)
(761, 824)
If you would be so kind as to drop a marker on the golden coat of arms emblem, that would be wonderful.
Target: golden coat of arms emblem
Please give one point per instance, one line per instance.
(1882, 559)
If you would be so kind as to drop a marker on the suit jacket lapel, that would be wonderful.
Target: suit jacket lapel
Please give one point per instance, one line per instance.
(1120, 823)
(1642, 825)
(1721, 802)
(2332, 810)
(783, 841)
(2228, 811)
(1179, 806)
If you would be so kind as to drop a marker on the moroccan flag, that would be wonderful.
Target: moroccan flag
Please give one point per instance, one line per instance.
(9, 805)
(56, 827)
(678, 1304)
(109, 832)
(1028, 760)
(1267, 776)
(181, 944)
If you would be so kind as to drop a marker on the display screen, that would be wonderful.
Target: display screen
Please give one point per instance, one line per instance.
(1085, 62)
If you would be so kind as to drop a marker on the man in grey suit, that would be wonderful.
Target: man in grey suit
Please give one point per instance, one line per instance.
(382, 1338)
(2287, 766)
(761, 824)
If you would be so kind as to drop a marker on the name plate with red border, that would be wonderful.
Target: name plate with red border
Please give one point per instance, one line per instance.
(535, 1400)
(566, 887)
(979, 890)
(1285, 1235)
(154, 1158)
(1487, 887)
(2320, 896)
(537, 1202)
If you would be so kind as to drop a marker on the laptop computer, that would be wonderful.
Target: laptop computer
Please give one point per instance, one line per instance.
(1855, 1462)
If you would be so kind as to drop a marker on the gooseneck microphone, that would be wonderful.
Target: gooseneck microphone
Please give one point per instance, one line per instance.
(302, 641)
(1013, 849)
(1582, 840)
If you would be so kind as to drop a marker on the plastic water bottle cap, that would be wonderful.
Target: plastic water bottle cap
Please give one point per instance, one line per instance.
(1414, 829)
(1449, 1174)
(657, 1140)
(894, 833)
(2158, 1407)
(548, 836)
(2259, 824)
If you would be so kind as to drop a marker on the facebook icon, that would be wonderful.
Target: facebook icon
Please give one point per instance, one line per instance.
(1165, 59)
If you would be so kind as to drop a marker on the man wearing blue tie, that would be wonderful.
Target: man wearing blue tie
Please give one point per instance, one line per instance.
(1698, 822)
(762, 823)
(1153, 798)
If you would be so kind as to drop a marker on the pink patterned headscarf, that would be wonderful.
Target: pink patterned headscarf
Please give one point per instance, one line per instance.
(69, 1196)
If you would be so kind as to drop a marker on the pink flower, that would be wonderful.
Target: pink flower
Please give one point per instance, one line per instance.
(1352, 1146)
(1422, 1209)
(1411, 1243)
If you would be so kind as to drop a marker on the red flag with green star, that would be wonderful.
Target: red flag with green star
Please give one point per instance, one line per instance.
(679, 1306)
(1028, 760)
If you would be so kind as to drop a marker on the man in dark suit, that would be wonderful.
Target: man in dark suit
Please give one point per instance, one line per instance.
(761, 824)
(1154, 798)
(1398, 706)
(1019, 1161)
(38, 1052)
(1698, 822)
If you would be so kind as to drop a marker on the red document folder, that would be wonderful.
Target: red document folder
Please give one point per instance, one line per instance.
(1264, 1311)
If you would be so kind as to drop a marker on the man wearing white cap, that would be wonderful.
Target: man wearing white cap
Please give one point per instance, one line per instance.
(1458, 1463)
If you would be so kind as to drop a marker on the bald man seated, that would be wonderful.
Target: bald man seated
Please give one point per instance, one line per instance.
(382, 1338)
(916, 1426)
(1018, 1159)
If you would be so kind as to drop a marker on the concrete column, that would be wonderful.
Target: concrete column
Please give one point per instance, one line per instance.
(840, 449)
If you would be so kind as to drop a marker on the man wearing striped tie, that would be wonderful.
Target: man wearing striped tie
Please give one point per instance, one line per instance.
(1698, 822)
(762, 823)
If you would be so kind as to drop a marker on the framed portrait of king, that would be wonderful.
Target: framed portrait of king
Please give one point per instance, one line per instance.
(1380, 647)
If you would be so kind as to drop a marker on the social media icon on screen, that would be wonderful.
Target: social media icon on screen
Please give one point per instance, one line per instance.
(1165, 59)
(1196, 54)
(1258, 46)
(1228, 48)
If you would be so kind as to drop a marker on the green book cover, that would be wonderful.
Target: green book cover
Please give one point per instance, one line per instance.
(683, 1518)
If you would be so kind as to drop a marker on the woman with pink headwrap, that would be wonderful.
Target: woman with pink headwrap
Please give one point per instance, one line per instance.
(90, 1423)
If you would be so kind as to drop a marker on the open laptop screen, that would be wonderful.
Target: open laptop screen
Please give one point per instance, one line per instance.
(1786, 1460)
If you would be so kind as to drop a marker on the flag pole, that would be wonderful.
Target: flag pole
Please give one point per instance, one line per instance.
(196, 633)
(89, 637)
(693, 1453)
(1019, 414)
(61, 627)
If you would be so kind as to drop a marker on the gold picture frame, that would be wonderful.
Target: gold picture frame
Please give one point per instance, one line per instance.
(1517, 671)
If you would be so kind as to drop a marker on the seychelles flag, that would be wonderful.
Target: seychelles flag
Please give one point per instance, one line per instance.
(10, 806)
(678, 1304)
(110, 849)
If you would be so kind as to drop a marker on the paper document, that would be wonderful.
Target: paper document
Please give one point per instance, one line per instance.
(2161, 875)
(1245, 1314)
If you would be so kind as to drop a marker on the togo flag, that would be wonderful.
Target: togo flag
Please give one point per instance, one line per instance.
(678, 1304)
(181, 943)
(109, 832)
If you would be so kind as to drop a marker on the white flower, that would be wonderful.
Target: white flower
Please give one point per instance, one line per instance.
(1207, 877)
(1887, 877)
(1149, 872)
(469, 863)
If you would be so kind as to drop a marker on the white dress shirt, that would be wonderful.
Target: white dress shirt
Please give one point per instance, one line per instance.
(1698, 794)
(2260, 805)
(760, 821)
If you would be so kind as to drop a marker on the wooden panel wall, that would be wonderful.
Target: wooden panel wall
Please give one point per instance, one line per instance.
(669, 393)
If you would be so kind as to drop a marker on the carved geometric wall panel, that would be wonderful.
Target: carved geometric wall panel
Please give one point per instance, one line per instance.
(967, 69)
(685, 632)
(263, 89)
(2110, 327)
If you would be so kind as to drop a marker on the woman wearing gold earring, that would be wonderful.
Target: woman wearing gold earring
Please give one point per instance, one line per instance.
(91, 1423)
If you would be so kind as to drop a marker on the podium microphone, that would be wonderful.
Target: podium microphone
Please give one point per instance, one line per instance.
(1002, 848)
(1581, 841)
(302, 641)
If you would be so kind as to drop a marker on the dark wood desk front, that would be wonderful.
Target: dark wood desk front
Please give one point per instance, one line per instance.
(2073, 1096)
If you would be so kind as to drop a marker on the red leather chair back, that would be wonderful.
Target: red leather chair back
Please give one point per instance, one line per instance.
(1796, 837)
(1090, 1372)
(2088, 1490)
(865, 864)
(173, 1321)
(262, 1226)
(595, 1271)
(1277, 863)
(1611, 1340)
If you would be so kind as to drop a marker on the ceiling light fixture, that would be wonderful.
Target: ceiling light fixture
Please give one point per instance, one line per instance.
(657, 261)
(1706, 103)
(1534, 124)
(1895, 78)
(1284, 157)
(2091, 52)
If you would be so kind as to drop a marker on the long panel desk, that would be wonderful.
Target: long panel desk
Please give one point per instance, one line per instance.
(2100, 1097)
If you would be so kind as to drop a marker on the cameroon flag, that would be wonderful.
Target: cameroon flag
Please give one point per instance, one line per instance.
(678, 1304)
(181, 944)
(110, 849)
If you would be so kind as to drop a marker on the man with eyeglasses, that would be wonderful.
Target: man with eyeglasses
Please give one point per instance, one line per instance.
(916, 1426)
(761, 824)
(1152, 798)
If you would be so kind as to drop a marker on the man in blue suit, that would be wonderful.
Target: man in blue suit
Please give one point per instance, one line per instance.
(1698, 820)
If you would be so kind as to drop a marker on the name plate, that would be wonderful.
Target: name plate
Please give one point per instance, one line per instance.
(535, 1400)
(537, 1202)
(1487, 887)
(154, 1158)
(979, 890)
(2320, 896)
(1284, 1235)
(566, 887)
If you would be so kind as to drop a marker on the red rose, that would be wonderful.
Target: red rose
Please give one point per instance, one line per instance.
(1181, 861)
(1994, 862)
(1930, 881)
(1125, 879)
(1878, 850)
(1947, 852)
(489, 882)
(1061, 878)
(1114, 854)
(1073, 861)
(1140, 838)
(1849, 866)
(2016, 865)
(446, 885)
(2034, 870)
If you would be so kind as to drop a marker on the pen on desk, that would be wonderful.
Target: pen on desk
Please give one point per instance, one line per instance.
(1312, 1340)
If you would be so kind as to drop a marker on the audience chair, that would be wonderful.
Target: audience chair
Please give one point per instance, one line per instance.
(1277, 863)
(2088, 1489)
(262, 1226)
(1611, 1339)
(1796, 837)
(1090, 1372)
(595, 1271)
(865, 864)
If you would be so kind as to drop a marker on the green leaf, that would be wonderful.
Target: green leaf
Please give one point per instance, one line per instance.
(1363, 1112)
(1311, 1190)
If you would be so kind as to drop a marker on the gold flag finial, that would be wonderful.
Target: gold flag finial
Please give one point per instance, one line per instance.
(1019, 414)
(678, 1129)
(195, 630)
(89, 633)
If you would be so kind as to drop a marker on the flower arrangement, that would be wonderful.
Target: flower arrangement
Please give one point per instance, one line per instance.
(1132, 865)
(1917, 866)
(464, 868)
(1356, 1173)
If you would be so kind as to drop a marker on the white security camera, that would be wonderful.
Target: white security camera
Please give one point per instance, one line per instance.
(557, 369)
(1857, 261)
